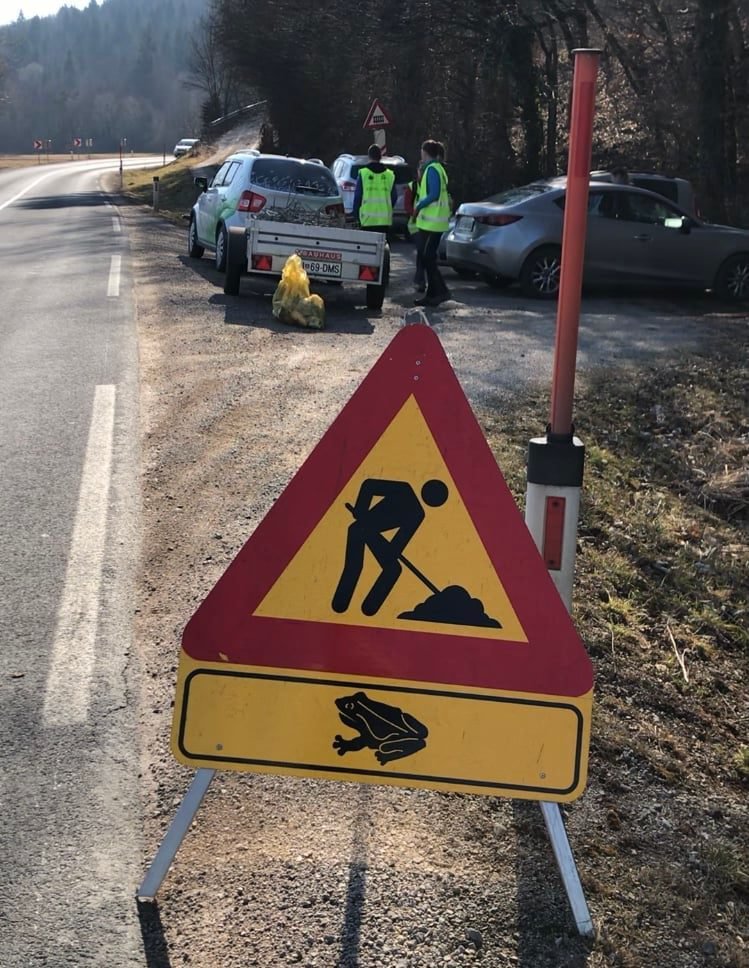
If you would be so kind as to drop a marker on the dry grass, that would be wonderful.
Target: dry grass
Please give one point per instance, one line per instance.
(661, 599)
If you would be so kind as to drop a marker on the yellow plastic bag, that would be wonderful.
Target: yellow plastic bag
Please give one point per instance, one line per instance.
(292, 302)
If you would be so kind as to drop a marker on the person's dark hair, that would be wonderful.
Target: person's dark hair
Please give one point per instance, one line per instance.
(620, 175)
(435, 149)
(375, 153)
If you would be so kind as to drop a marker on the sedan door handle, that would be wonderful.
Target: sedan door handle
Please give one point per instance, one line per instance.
(643, 238)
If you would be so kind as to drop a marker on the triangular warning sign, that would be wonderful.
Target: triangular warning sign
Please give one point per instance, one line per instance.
(397, 551)
(446, 545)
(377, 116)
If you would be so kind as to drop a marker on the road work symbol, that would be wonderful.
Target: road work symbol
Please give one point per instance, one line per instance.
(386, 729)
(392, 506)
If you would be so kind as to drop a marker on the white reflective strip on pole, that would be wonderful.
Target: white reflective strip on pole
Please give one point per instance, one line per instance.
(535, 518)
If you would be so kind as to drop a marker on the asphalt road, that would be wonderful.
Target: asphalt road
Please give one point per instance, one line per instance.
(70, 816)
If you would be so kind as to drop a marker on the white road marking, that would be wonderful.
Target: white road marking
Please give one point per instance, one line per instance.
(116, 227)
(113, 288)
(71, 669)
(26, 189)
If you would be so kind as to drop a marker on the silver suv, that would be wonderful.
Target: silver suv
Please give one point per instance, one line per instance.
(677, 190)
(346, 169)
(253, 185)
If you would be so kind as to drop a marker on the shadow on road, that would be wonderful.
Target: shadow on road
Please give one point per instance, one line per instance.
(152, 931)
(357, 884)
(547, 934)
(73, 200)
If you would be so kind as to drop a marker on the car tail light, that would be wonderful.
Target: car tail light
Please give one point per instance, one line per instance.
(336, 209)
(263, 263)
(348, 186)
(497, 219)
(251, 202)
(368, 274)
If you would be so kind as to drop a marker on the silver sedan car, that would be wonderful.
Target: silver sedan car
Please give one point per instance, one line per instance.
(633, 236)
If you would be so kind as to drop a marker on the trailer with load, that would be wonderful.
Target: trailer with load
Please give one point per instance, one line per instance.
(329, 254)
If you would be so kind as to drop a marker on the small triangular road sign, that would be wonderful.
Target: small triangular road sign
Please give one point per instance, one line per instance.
(377, 116)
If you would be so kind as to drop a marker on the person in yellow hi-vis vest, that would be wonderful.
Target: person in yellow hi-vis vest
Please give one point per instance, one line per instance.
(375, 194)
(432, 219)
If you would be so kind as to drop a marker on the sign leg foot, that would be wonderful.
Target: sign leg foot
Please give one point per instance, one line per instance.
(567, 868)
(175, 835)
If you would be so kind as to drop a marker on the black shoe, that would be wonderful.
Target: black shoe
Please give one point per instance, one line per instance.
(420, 287)
(424, 301)
(438, 300)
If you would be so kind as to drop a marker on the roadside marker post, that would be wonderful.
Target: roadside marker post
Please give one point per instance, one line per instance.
(555, 461)
(333, 647)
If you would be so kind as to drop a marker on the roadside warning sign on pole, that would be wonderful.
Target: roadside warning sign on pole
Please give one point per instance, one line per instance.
(377, 116)
(391, 620)
(76, 142)
(38, 144)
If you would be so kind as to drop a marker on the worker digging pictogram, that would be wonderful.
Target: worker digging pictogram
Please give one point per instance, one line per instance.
(383, 507)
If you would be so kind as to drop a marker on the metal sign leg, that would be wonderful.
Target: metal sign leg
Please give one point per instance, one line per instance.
(175, 835)
(567, 868)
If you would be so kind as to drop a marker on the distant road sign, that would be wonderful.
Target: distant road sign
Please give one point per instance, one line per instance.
(378, 116)
(38, 144)
(76, 142)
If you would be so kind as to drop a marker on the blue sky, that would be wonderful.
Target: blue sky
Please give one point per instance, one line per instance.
(9, 9)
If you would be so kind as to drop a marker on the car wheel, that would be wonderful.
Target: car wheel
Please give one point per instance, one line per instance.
(539, 276)
(495, 281)
(732, 280)
(194, 249)
(221, 242)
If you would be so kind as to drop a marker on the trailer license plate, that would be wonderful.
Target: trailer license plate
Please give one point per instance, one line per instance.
(329, 265)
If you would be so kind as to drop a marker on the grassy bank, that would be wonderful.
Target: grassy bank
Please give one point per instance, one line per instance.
(177, 190)
(662, 602)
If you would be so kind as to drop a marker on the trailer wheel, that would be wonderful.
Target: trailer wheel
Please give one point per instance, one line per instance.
(375, 297)
(231, 279)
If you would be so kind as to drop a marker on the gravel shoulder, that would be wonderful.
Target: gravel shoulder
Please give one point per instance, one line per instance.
(281, 871)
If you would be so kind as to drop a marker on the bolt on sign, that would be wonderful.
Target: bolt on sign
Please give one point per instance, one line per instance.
(391, 620)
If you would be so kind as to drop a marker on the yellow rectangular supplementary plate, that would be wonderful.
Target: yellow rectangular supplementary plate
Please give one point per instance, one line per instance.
(373, 730)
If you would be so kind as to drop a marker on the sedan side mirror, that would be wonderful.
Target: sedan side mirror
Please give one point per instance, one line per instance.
(681, 222)
(202, 183)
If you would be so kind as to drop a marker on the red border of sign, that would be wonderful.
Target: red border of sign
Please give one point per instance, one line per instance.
(553, 662)
(368, 123)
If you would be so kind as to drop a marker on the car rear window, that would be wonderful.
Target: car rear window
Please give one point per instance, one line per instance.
(289, 175)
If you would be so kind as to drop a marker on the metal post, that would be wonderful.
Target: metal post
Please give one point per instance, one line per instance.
(155, 193)
(567, 868)
(175, 835)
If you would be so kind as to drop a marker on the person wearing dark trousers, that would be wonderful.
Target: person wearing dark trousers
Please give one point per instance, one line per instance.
(432, 219)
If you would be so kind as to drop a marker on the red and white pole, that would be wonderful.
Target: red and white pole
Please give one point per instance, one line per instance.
(555, 461)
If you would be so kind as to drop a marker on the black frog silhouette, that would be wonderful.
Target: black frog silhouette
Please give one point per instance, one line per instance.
(389, 731)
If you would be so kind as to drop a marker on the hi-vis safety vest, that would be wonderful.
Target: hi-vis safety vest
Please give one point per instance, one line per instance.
(434, 217)
(376, 205)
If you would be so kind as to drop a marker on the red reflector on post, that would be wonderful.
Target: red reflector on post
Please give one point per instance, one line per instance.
(554, 532)
(368, 274)
(263, 263)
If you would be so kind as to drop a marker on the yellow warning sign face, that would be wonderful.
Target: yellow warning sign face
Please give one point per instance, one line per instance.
(409, 551)
(381, 731)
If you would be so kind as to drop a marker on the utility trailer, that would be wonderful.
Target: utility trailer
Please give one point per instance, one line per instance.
(337, 255)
